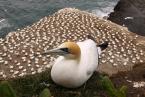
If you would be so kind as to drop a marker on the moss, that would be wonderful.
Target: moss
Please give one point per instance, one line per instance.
(111, 90)
(30, 85)
(45, 93)
(6, 90)
(96, 86)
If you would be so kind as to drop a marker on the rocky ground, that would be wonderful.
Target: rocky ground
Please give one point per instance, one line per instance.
(129, 79)
(131, 13)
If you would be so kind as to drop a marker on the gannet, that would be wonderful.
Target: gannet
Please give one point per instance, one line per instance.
(18, 48)
(76, 63)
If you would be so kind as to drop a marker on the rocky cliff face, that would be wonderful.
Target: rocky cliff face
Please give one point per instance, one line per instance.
(130, 13)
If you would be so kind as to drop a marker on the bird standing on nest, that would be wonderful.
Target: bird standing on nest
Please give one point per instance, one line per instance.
(76, 63)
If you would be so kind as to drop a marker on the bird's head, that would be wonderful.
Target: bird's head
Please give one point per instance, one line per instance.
(71, 49)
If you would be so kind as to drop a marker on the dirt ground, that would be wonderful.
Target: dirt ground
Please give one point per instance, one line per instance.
(135, 9)
(128, 78)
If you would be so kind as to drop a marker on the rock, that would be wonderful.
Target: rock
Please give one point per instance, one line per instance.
(131, 14)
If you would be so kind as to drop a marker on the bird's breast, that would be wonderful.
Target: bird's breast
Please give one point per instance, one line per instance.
(66, 73)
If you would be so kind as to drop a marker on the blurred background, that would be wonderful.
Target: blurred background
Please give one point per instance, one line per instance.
(16, 14)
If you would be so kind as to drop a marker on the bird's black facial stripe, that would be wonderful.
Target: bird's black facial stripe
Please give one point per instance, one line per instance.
(65, 49)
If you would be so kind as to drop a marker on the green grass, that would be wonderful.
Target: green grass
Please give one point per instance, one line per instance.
(33, 85)
(6, 90)
(111, 90)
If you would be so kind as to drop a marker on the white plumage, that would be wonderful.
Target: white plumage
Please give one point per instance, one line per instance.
(73, 70)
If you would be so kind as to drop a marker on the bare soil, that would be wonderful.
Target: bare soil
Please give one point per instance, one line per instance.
(127, 78)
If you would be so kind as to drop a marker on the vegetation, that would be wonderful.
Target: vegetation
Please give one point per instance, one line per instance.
(111, 90)
(32, 88)
(7, 91)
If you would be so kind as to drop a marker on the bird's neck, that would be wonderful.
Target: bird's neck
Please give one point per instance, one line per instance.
(72, 57)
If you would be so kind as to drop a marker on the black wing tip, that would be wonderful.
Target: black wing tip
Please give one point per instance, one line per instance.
(104, 45)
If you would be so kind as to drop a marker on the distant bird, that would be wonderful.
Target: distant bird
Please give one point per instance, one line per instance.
(76, 63)
(18, 49)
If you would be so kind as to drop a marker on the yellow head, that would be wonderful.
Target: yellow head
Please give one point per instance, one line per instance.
(71, 47)
(66, 48)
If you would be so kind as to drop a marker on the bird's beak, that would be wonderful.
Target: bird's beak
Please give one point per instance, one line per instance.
(56, 51)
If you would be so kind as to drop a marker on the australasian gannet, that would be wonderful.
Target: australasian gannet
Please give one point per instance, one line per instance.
(76, 63)
(18, 48)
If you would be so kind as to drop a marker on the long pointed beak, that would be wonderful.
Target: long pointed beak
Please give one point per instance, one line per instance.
(56, 51)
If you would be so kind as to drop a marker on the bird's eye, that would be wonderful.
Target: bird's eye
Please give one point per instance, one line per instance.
(65, 49)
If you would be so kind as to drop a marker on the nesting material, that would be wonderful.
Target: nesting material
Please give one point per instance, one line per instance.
(138, 84)
(67, 25)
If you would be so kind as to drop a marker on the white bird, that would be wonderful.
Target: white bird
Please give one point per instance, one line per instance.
(76, 63)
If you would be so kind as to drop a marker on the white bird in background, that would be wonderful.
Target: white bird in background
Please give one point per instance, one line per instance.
(76, 63)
